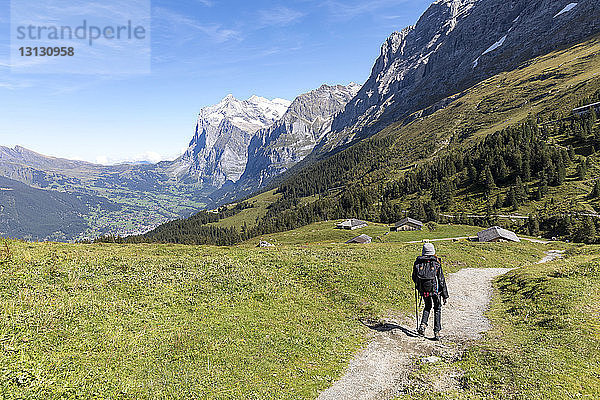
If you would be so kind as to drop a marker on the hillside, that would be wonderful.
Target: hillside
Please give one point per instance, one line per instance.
(429, 166)
(141, 196)
(54, 215)
(454, 45)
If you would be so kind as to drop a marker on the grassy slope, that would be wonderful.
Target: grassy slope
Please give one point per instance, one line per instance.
(552, 83)
(249, 216)
(160, 321)
(547, 84)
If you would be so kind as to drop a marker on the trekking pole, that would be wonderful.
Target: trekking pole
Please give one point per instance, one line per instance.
(417, 307)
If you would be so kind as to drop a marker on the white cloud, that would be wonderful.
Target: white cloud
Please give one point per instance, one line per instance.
(180, 29)
(279, 16)
(348, 10)
(148, 156)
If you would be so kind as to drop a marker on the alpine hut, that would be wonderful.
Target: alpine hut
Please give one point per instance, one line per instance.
(407, 224)
(351, 224)
(361, 239)
(497, 234)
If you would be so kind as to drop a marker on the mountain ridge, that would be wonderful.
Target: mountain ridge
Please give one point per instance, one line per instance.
(455, 44)
(217, 152)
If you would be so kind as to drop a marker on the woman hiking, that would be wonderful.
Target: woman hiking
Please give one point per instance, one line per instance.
(430, 283)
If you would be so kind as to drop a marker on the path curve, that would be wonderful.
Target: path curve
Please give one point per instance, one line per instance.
(382, 369)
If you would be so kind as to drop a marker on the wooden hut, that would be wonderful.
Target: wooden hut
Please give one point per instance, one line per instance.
(497, 234)
(351, 224)
(407, 224)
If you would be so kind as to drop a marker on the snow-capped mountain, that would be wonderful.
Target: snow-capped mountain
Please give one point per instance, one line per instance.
(454, 45)
(289, 140)
(219, 149)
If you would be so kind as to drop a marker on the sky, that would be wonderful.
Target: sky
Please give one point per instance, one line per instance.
(201, 50)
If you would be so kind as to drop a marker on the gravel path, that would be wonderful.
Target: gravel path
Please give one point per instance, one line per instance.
(381, 370)
(551, 256)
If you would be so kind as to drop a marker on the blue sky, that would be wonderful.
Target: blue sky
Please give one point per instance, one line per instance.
(202, 50)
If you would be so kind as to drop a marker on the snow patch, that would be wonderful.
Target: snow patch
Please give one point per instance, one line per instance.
(476, 63)
(496, 45)
(516, 19)
(568, 8)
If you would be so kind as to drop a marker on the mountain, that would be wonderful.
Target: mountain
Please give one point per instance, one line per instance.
(218, 151)
(454, 45)
(509, 144)
(275, 149)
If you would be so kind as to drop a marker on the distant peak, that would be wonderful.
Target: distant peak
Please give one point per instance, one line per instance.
(228, 98)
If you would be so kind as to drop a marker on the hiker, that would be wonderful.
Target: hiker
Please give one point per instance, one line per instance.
(431, 285)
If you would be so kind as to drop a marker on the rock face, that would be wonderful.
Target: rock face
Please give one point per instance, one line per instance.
(219, 149)
(454, 45)
(275, 149)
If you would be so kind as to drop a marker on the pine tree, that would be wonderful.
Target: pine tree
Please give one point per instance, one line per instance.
(499, 202)
(595, 193)
(586, 231)
(561, 172)
(571, 152)
(417, 210)
(582, 170)
(487, 180)
(520, 191)
(511, 199)
(534, 226)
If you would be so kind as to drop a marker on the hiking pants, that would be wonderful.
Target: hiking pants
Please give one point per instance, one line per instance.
(437, 311)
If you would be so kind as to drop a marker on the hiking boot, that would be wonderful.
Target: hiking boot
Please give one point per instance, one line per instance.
(436, 336)
(421, 330)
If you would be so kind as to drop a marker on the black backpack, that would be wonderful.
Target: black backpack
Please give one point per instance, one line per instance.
(427, 270)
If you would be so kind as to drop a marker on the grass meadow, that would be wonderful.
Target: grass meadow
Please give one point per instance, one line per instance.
(173, 321)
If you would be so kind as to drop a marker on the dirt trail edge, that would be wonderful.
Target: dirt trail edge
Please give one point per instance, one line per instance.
(381, 370)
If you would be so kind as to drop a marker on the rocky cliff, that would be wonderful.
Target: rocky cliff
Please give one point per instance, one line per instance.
(289, 140)
(454, 45)
(219, 149)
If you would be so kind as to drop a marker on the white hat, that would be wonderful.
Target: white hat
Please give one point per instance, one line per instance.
(428, 249)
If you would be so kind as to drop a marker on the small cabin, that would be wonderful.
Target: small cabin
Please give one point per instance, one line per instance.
(407, 224)
(497, 234)
(351, 224)
(361, 239)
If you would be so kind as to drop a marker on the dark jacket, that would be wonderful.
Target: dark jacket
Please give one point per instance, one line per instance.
(441, 282)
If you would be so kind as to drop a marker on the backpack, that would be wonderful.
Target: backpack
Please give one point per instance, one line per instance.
(427, 270)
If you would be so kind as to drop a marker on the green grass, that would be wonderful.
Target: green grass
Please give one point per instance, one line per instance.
(545, 341)
(173, 321)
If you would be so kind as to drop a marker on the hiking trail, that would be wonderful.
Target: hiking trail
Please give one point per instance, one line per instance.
(382, 369)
